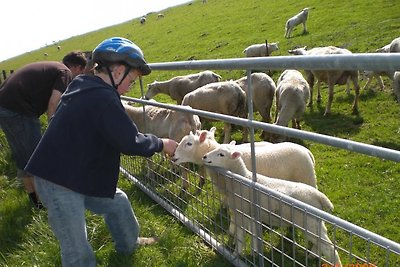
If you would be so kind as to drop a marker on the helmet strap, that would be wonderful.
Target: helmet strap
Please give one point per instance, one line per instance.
(127, 70)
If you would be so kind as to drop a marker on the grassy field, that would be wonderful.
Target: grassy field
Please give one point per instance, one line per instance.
(364, 190)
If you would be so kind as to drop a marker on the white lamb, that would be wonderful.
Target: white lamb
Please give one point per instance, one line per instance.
(220, 97)
(292, 96)
(263, 94)
(239, 198)
(300, 18)
(179, 86)
(261, 50)
(330, 77)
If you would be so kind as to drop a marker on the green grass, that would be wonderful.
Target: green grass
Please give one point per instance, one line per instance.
(364, 190)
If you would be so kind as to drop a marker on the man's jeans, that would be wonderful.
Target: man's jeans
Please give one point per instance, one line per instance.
(66, 216)
(23, 134)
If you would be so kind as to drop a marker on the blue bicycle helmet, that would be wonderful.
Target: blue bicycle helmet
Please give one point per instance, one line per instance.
(118, 49)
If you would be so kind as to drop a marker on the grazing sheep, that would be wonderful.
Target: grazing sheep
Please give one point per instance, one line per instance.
(179, 86)
(164, 123)
(330, 77)
(263, 94)
(292, 95)
(272, 211)
(160, 16)
(396, 85)
(220, 97)
(395, 46)
(296, 20)
(142, 20)
(46, 54)
(58, 47)
(260, 50)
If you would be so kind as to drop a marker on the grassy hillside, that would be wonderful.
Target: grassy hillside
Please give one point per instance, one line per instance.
(364, 190)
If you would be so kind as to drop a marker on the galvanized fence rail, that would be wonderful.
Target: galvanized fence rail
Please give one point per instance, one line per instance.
(202, 210)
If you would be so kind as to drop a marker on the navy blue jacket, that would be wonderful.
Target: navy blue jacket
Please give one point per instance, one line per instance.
(81, 147)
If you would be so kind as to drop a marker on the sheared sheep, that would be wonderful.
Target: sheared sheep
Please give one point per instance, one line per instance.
(179, 86)
(292, 96)
(330, 77)
(260, 50)
(300, 18)
(164, 123)
(220, 97)
(263, 94)
(272, 210)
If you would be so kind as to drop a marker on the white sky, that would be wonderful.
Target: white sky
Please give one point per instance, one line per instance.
(28, 25)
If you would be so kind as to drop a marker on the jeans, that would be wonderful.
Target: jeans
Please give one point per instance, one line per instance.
(66, 216)
(23, 134)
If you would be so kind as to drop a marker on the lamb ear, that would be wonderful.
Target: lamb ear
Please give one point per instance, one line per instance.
(203, 136)
(233, 142)
(213, 129)
(236, 154)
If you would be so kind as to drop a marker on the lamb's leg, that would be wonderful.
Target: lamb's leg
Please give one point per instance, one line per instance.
(310, 80)
(380, 82)
(396, 89)
(319, 92)
(304, 27)
(330, 97)
(369, 80)
(357, 93)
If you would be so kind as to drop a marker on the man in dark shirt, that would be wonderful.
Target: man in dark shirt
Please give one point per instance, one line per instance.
(27, 94)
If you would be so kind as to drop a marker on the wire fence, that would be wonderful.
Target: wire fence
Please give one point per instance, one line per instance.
(269, 237)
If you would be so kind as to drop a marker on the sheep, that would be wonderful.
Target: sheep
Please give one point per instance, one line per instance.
(272, 211)
(58, 47)
(165, 123)
(296, 20)
(263, 94)
(396, 85)
(260, 50)
(331, 77)
(142, 20)
(160, 16)
(292, 95)
(395, 46)
(220, 97)
(179, 86)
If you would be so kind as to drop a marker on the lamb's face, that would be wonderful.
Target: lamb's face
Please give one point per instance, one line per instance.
(186, 150)
(222, 156)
